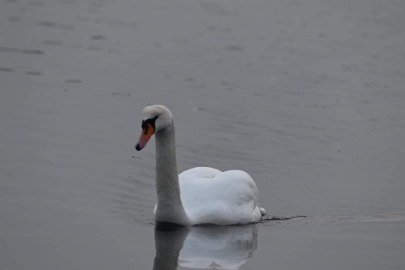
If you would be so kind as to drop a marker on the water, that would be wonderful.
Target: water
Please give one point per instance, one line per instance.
(305, 96)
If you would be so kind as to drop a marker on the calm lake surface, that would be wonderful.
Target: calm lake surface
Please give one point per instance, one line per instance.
(306, 96)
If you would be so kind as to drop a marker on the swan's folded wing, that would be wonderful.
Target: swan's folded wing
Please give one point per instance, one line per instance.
(198, 172)
(211, 196)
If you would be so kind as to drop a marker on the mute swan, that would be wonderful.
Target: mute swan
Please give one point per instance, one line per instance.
(200, 195)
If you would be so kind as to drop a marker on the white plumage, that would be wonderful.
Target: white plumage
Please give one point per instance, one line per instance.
(201, 195)
(215, 197)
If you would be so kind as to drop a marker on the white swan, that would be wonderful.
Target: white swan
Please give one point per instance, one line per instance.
(200, 195)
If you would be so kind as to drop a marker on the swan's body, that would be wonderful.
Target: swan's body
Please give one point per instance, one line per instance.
(210, 196)
(197, 196)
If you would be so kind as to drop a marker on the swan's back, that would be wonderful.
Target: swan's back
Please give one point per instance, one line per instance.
(210, 196)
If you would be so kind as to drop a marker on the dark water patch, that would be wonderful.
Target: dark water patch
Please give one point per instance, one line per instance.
(190, 79)
(14, 18)
(98, 37)
(114, 50)
(46, 23)
(68, 2)
(230, 86)
(350, 67)
(180, 40)
(97, 4)
(8, 49)
(258, 94)
(33, 51)
(52, 24)
(285, 21)
(82, 18)
(123, 94)
(197, 109)
(221, 113)
(93, 10)
(161, 8)
(73, 81)
(66, 26)
(94, 48)
(235, 48)
(200, 86)
(77, 46)
(37, 3)
(53, 42)
(5, 69)
(23, 10)
(215, 28)
(33, 73)
(114, 22)
(213, 8)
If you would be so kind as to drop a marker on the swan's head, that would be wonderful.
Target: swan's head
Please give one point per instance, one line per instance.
(155, 118)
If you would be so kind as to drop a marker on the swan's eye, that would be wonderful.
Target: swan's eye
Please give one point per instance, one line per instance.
(150, 121)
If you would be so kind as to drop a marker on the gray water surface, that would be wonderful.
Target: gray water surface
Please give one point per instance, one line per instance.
(306, 96)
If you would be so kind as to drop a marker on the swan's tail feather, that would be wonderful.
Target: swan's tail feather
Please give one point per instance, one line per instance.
(262, 211)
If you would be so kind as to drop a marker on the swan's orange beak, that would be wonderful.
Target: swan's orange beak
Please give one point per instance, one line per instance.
(147, 132)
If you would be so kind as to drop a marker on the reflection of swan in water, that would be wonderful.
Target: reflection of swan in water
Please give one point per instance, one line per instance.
(169, 241)
(203, 247)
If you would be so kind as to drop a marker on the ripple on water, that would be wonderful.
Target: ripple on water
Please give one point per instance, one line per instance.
(33, 73)
(53, 42)
(271, 220)
(23, 51)
(133, 197)
(5, 69)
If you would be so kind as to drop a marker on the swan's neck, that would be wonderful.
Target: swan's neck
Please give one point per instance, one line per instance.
(169, 207)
